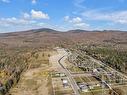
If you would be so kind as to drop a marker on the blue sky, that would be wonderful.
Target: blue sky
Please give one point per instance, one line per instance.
(18, 15)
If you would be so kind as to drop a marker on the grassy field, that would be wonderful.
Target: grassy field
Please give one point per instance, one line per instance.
(74, 69)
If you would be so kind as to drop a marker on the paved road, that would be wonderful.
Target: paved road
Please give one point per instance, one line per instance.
(109, 68)
(72, 81)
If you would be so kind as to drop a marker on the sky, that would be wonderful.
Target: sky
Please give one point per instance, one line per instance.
(19, 15)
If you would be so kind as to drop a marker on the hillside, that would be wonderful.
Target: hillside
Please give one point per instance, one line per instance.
(49, 38)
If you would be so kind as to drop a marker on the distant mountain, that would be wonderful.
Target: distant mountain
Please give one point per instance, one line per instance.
(46, 37)
(43, 30)
(52, 30)
(78, 30)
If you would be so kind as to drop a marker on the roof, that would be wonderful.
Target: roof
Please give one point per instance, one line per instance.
(65, 81)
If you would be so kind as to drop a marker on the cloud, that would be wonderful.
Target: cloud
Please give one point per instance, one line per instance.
(116, 17)
(78, 3)
(6, 1)
(82, 25)
(34, 1)
(73, 20)
(26, 16)
(14, 21)
(76, 22)
(39, 15)
(19, 24)
(66, 18)
(27, 19)
(41, 24)
(35, 15)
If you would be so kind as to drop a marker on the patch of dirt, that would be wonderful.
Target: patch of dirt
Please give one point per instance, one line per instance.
(35, 81)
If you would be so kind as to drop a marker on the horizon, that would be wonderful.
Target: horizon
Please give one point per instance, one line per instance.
(78, 14)
(65, 31)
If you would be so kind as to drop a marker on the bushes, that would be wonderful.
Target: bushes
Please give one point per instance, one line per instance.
(10, 82)
(13, 63)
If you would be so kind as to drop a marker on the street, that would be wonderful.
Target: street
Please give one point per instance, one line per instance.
(61, 61)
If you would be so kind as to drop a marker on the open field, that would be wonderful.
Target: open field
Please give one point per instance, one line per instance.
(36, 80)
(58, 87)
(74, 69)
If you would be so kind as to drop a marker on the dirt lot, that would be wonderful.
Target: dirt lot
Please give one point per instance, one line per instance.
(58, 87)
(31, 84)
(36, 80)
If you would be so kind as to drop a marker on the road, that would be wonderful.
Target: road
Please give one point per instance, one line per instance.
(61, 61)
(109, 68)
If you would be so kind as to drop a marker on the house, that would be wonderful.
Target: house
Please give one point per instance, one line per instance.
(97, 72)
(65, 82)
(98, 84)
(83, 87)
(57, 74)
(91, 87)
(62, 75)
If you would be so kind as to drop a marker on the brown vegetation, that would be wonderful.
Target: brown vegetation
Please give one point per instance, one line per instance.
(45, 38)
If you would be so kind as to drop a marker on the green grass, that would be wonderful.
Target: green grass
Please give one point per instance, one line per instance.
(75, 69)
(77, 79)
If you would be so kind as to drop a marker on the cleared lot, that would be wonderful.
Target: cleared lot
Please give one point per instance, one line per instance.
(36, 80)
(59, 88)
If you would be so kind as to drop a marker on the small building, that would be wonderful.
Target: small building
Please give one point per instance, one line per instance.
(83, 87)
(62, 75)
(96, 72)
(65, 83)
(98, 84)
(57, 74)
(91, 87)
